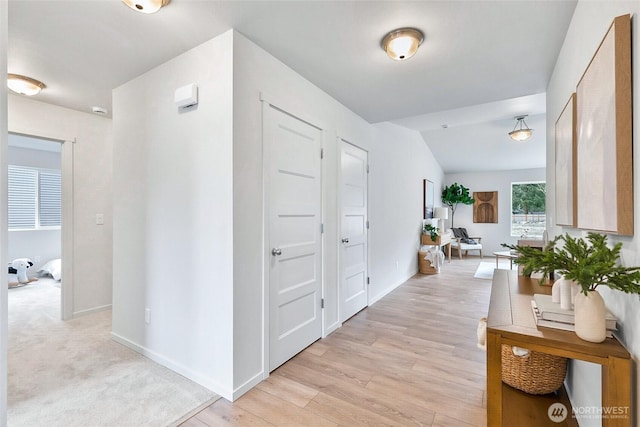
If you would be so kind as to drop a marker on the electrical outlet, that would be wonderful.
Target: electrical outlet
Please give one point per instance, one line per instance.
(36, 258)
(147, 315)
(99, 219)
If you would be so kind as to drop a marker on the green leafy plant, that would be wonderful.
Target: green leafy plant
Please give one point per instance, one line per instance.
(455, 194)
(431, 231)
(588, 262)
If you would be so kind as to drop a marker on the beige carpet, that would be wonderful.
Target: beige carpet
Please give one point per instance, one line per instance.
(72, 374)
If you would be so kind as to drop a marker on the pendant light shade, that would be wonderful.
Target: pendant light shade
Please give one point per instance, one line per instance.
(403, 43)
(521, 131)
(146, 6)
(24, 85)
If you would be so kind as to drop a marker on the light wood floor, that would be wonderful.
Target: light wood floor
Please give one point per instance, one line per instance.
(409, 359)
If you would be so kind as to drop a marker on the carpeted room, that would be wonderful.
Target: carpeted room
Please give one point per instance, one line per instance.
(64, 373)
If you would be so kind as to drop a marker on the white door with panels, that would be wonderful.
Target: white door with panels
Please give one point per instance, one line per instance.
(353, 228)
(294, 195)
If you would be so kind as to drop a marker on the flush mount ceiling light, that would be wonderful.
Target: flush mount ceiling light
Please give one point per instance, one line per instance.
(146, 6)
(522, 133)
(24, 85)
(403, 43)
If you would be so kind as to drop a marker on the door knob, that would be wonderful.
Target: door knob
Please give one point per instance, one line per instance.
(345, 240)
(276, 251)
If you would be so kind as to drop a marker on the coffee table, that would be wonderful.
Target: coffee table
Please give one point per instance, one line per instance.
(505, 254)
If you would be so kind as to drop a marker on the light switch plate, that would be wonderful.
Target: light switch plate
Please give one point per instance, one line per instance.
(100, 219)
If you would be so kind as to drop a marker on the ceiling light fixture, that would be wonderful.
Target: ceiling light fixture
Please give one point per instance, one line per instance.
(24, 85)
(403, 43)
(146, 6)
(523, 132)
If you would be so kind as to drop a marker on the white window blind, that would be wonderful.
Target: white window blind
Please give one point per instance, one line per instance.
(34, 198)
(50, 195)
(23, 193)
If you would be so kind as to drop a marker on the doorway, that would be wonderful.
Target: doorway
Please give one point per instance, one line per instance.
(293, 199)
(354, 224)
(39, 218)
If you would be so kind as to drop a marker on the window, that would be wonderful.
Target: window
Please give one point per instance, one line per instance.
(528, 209)
(34, 198)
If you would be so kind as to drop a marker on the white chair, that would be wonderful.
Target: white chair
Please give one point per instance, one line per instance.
(458, 242)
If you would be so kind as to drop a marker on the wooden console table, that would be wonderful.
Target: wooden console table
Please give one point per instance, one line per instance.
(510, 321)
(442, 240)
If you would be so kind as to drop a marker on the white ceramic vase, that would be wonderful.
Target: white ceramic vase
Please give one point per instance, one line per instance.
(590, 317)
(565, 294)
(561, 293)
(555, 291)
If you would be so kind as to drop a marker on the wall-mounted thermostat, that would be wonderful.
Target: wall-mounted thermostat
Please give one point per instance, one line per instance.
(187, 96)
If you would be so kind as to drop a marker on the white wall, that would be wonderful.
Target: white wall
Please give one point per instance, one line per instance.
(42, 244)
(590, 22)
(399, 161)
(3, 212)
(399, 165)
(493, 235)
(173, 223)
(190, 201)
(91, 169)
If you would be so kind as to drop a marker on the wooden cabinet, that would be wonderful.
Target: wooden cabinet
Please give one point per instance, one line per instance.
(510, 321)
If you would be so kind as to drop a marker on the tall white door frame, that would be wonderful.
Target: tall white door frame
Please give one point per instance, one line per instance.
(351, 240)
(66, 170)
(268, 106)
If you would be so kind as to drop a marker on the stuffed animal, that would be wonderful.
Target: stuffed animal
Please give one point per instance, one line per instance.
(21, 265)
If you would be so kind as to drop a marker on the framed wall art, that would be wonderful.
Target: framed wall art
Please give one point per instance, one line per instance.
(485, 207)
(604, 136)
(428, 196)
(565, 168)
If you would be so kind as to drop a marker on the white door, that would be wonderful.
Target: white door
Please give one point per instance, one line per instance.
(292, 147)
(353, 227)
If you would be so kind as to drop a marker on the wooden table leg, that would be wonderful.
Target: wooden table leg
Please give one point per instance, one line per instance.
(616, 393)
(494, 380)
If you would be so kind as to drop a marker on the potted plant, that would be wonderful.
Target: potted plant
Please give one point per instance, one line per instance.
(431, 231)
(589, 263)
(455, 194)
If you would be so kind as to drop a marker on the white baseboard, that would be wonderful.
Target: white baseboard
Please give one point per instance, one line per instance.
(330, 329)
(248, 385)
(382, 294)
(176, 367)
(91, 311)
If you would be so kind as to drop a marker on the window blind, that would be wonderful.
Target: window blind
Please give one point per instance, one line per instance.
(35, 198)
(23, 193)
(50, 195)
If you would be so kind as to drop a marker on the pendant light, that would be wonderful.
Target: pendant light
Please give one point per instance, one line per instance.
(521, 131)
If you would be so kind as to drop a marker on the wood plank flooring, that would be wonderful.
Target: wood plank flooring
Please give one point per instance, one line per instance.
(410, 359)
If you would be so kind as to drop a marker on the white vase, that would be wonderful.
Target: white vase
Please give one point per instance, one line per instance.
(590, 317)
(575, 290)
(565, 294)
(555, 291)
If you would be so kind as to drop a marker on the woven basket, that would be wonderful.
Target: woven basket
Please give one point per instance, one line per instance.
(424, 266)
(536, 373)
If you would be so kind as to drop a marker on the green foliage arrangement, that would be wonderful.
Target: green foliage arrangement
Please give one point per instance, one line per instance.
(431, 231)
(588, 262)
(455, 194)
